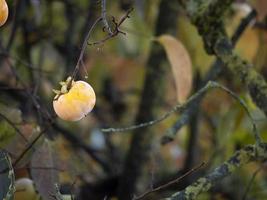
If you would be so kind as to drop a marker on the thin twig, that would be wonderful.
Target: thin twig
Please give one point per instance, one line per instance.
(245, 107)
(117, 29)
(76, 141)
(170, 183)
(243, 25)
(14, 126)
(176, 108)
(43, 112)
(50, 122)
(214, 72)
(110, 35)
(235, 162)
(27, 149)
(74, 74)
(179, 107)
(104, 17)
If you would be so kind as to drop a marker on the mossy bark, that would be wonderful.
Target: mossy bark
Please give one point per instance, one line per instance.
(208, 18)
(240, 158)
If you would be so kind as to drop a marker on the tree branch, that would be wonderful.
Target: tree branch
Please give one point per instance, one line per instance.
(207, 16)
(159, 188)
(152, 94)
(243, 156)
(211, 75)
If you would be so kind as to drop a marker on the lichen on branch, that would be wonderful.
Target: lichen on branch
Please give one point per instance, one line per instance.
(243, 156)
(207, 16)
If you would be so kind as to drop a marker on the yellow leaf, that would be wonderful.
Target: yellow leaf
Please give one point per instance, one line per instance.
(180, 64)
(248, 44)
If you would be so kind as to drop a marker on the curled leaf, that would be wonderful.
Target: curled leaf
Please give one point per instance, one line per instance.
(180, 64)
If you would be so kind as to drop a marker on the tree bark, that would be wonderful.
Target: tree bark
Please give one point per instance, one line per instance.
(152, 94)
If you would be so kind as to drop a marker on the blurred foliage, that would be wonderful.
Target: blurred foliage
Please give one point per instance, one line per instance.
(42, 41)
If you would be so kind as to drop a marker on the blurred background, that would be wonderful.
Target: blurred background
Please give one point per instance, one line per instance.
(131, 74)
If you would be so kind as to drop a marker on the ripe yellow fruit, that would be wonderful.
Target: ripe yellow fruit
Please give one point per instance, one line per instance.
(3, 12)
(25, 190)
(75, 103)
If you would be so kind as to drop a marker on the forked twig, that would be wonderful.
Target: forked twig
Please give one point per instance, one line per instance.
(116, 30)
(111, 34)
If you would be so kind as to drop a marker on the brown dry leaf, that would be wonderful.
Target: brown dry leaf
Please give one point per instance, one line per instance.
(180, 64)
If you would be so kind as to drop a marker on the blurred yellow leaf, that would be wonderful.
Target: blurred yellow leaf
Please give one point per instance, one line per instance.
(248, 44)
(180, 64)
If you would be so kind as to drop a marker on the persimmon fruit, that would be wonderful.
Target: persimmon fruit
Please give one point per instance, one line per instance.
(74, 101)
(25, 190)
(3, 12)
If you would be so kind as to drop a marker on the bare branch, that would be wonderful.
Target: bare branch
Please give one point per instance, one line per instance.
(110, 35)
(14, 126)
(243, 156)
(214, 72)
(162, 187)
(181, 108)
(117, 29)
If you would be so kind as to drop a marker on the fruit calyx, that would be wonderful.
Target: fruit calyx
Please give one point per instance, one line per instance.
(65, 87)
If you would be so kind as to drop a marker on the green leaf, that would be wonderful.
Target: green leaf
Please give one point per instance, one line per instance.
(7, 177)
(56, 91)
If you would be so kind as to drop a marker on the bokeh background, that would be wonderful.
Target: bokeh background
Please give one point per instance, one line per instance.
(39, 47)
